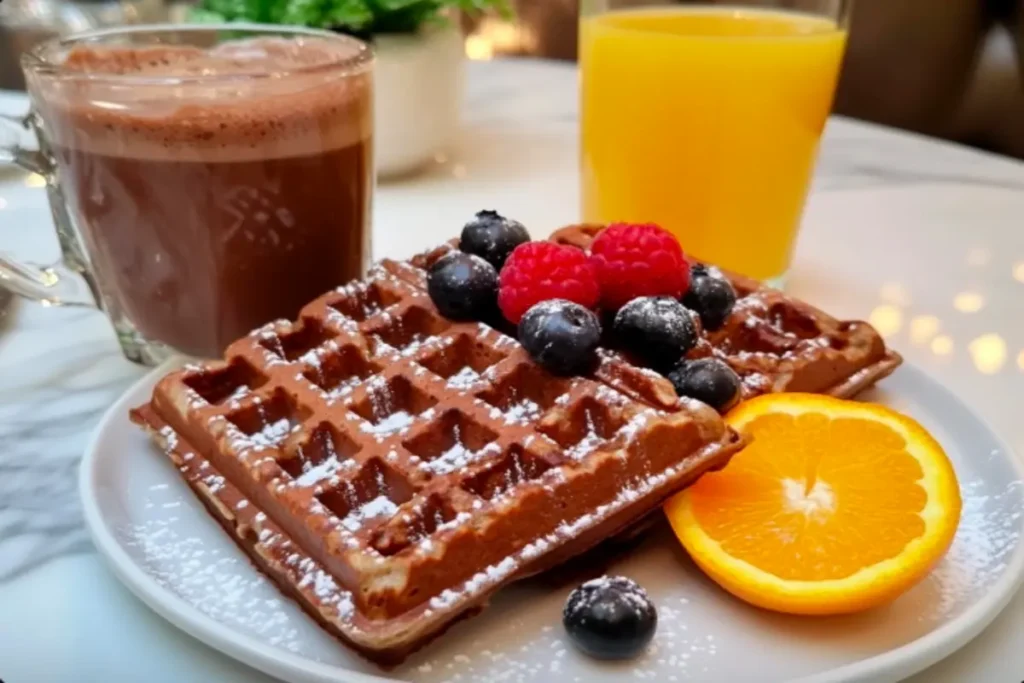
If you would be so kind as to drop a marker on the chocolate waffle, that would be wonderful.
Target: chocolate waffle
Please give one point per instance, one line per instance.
(776, 343)
(390, 469)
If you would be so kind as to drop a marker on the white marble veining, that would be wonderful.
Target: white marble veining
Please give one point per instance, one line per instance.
(921, 237)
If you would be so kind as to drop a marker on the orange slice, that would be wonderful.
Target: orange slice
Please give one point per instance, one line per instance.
(836, 506)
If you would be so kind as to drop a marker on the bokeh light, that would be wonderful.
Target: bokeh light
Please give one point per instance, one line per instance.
(923, 328)
(888, 320)
(968, 302)
(988, 353)
(942, 345)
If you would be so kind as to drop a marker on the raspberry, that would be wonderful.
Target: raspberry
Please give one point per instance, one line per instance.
(538, 271)
(638, 260)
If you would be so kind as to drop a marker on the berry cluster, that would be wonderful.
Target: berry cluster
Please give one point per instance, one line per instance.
(635, 275)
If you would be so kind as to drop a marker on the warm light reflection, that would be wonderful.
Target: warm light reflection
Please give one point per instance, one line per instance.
(1018, 271)
(923, 328)
(1020, 359)
(459, 171)
(479, 48)
(942, 345)
(968, 302)
(494, 36)
(35, 180)
(978, 256)
(895, 293)
(988, 353)
(886, 319)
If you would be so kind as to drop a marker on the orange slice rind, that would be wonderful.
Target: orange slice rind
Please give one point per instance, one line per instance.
(836, 506)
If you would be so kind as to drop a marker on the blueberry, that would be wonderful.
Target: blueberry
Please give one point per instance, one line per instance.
(610, 618)
(710, 296)
(708, 380)
(463, 286)
(492, 237)
(561, 336)
(658, 329)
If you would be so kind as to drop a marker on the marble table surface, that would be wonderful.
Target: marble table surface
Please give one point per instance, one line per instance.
(922, 238)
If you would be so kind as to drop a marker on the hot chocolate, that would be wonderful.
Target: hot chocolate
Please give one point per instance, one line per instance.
(221, 188)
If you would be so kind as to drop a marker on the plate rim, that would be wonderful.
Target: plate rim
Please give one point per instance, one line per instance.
(241, 647)
(892, 665)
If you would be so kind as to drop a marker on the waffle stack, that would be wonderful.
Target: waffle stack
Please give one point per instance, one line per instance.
(390, 469)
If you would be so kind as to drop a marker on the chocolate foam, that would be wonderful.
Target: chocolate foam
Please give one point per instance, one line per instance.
(248, 99)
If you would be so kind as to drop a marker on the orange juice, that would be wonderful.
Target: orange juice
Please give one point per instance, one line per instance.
(706, 121)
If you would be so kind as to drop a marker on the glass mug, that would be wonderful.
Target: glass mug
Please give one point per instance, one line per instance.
(203, 179)
(705, 118)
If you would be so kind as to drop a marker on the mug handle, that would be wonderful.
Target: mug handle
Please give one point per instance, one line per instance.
(66, 282)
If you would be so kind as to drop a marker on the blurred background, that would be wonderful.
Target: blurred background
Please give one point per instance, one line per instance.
(946, 68)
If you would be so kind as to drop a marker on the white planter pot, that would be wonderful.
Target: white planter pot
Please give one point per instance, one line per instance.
(418, 86)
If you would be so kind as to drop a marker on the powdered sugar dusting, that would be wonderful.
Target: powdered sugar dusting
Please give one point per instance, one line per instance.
(657, 312)
(315, 356)
(504, 340)
(395, 422)
(325, 472)
(170, 438)
(415, 344)
(590, 442)
(390, 419)
(239, 393)
(219, 583)
(635, 425)
(457, 457)
(381, 506)
(626, 495)
(610, 396)
(270, 436)
(459, 520)
(626, 590)
(463, 379)
(521, 412)
(688, 643)
(213, 482)
(320, 583)
(343, 388)
(984, 540)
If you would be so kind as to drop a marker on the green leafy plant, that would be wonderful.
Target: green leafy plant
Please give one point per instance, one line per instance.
(358, 17)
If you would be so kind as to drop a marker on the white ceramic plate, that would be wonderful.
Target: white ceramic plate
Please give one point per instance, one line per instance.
(162, 544)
